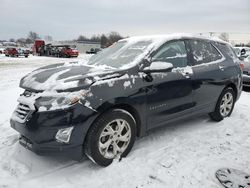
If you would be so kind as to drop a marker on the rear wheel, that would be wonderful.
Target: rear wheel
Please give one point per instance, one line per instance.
(111, 136)
(225, 105)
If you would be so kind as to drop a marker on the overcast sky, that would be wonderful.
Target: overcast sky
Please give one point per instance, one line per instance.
(67, 19)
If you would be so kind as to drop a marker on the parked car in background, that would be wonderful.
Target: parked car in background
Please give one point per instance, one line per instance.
(242, 52)
(246, 72)
(16, 52)
(135, 85)
(11, 52)
(23, 52)
(67, 51)
(93, 51)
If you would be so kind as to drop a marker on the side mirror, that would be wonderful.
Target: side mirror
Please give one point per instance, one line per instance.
(242, 52)
(158, 66)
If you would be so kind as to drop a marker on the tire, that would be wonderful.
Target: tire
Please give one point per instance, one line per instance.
(221, 111)
(105, 132)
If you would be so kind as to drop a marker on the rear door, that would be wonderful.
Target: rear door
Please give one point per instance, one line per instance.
(169, 95)
(207, 81)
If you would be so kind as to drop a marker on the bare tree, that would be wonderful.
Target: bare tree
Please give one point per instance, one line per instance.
(33, 36)
(104, 41)
(113, 37)
(95, 38)
(82, 38)
(12, 40)
(21, 41)
(224, 36)
(29, 41)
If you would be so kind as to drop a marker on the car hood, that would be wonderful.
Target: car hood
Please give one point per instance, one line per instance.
(66, 77)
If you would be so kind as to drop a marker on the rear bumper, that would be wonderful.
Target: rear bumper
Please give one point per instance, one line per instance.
(38, 134)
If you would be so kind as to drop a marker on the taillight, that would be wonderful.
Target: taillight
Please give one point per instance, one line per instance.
(242, 66)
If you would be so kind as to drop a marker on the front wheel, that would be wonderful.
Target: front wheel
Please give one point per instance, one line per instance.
(225, 105)
(111, 136)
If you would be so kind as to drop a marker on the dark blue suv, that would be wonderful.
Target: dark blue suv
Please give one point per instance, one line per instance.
(98, 108)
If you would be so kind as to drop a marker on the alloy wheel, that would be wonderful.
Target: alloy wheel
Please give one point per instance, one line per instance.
(114, 138)
(226, 104)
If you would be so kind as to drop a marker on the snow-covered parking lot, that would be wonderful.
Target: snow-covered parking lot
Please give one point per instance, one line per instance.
(182, 154)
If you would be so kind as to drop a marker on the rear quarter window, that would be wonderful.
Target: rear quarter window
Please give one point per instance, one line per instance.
(227, 49)
(204, 52)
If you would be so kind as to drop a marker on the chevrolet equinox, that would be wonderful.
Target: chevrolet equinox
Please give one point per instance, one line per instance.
(98, 108)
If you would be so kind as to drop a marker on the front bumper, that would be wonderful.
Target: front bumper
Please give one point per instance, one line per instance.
(246, 80)
(73, 55)
(38, 133)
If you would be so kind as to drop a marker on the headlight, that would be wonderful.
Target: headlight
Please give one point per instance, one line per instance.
(63, 135)
(59, 100)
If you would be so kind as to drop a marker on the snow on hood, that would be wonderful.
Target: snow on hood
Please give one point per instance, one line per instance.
(60, 77)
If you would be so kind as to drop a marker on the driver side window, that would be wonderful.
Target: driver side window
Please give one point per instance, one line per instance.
(172, 52)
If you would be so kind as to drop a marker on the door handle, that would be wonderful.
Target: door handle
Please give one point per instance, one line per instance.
(187, 75)
(221, 67)
(148, 89)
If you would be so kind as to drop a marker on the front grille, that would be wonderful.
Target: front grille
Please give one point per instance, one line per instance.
(25, 142)
(25, 108)
(22, 111)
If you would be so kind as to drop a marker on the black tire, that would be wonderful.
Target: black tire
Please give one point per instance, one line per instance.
(216, 114)
(91, 145)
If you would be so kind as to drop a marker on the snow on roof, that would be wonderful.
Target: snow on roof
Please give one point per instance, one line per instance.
(168, 37)
(158, 40)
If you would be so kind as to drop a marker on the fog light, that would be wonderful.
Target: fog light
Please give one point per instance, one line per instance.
(63, 135)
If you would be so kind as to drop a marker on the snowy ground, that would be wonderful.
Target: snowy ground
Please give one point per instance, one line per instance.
(183, 154)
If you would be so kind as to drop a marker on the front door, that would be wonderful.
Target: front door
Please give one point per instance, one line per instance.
(169, 95)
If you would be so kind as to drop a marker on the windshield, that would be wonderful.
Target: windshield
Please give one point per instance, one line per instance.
(120, 54)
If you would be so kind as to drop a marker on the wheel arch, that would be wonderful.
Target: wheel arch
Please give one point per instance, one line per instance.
(124, 106)
(133, 112)
(233, 86)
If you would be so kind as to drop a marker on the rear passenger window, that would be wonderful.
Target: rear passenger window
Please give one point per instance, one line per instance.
(204, 52)
(227, 49)
(172, 52)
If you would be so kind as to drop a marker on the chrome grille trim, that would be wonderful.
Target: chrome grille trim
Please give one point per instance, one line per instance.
(24, 109)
